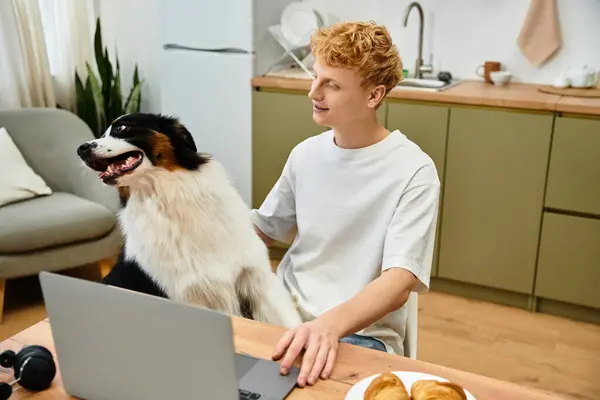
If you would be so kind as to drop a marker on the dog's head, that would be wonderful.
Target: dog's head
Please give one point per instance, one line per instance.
(138, 144)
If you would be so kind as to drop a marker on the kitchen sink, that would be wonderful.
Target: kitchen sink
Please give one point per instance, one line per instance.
(430, 85)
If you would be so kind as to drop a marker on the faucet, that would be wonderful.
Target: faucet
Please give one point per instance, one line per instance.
(419, 67)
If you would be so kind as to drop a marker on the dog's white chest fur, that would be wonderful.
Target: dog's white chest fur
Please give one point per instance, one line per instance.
(193, 234)
(184, 222)
(188, 227)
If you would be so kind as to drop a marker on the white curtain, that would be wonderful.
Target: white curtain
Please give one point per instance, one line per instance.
(42, 44)
(26, 80)
(69, 27)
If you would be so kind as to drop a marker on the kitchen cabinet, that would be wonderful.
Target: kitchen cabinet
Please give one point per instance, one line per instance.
(496, 167)
(574, 173)
(427, 126)
(280, 120)
(569, 261)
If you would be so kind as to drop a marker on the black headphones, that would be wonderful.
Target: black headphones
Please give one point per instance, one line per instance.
(34, 369)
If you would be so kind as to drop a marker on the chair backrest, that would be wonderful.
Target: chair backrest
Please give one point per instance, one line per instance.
(48, 139)
(412, 325)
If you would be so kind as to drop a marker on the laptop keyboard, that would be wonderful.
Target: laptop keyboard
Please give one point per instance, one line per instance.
(245, 395)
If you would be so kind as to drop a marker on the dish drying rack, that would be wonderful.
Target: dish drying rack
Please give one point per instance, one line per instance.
(292, 56)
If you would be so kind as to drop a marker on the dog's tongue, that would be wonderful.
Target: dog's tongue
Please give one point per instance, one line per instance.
(119, 167)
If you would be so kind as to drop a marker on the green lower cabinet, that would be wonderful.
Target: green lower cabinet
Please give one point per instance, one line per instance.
(574, 174)
(569, 261)
(496, 167)
(280, 120)
(427, 126)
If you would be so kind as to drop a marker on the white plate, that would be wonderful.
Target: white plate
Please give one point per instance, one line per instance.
(298, 22)
(357, 392)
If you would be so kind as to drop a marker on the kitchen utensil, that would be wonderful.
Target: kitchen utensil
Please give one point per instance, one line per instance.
(298, 21)
(500, 78)
(582, 77)
(562, 81)
(488, 66)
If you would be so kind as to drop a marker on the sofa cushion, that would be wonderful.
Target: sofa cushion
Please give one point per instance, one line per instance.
(54, 220)
(18, 181)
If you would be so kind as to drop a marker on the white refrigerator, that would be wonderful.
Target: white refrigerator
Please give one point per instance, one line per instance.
(210, 50)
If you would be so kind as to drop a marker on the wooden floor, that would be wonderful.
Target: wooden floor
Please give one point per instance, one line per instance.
(535, 350)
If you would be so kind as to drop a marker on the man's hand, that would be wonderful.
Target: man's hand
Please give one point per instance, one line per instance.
(321, 343)
(320, 336)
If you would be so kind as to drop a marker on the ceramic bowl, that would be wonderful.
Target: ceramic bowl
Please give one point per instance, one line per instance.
(500, 78)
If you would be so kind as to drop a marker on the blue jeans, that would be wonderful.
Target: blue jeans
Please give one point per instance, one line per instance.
(364, 341)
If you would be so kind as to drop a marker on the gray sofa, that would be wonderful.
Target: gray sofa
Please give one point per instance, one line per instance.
(75, 225)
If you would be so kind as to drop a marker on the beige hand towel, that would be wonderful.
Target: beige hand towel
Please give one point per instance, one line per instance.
(540, 36)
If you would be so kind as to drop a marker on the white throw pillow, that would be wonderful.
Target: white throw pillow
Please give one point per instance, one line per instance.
(17, 180)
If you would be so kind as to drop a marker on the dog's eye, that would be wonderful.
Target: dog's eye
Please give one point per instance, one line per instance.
(122, 128)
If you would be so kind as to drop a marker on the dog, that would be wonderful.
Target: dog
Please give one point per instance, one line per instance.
(183, 221)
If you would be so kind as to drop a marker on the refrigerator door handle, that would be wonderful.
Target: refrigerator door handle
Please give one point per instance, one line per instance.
(233, 50)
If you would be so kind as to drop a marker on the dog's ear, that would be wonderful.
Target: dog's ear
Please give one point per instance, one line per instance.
(186, 137)
(185, 148)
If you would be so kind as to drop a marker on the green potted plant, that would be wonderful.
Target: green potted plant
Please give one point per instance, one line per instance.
(99, 101)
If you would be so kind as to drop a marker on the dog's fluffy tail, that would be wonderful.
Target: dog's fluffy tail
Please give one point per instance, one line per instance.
(263, 297)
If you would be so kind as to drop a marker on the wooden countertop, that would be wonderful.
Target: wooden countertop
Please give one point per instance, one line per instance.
(258, 340)
(579, 105)
(469, 92)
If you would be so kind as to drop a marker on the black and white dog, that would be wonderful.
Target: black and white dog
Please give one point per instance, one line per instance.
(184, 223)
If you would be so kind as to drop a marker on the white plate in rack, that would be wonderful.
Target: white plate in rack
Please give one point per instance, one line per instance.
(298, 22)
(357, 392)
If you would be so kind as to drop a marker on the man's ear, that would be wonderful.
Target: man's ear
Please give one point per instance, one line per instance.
(376, 96)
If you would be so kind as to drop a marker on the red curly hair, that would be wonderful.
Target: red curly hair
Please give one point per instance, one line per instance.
(364, 46)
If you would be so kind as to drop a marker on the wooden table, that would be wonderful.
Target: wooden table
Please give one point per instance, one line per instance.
(353, 364)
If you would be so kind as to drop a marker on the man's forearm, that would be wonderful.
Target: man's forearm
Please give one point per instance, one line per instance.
(385, 294)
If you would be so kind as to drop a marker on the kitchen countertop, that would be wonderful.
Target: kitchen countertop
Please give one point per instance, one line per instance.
(579, 105)
(469, 92)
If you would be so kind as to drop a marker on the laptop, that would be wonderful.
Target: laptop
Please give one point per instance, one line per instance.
(117, 344)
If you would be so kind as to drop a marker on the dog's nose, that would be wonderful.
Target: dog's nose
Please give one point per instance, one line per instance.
(86, 148)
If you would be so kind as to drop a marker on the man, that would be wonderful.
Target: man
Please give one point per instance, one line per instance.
(362, 202)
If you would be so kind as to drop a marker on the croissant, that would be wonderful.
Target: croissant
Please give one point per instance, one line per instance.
(436, 390)
(386, 387)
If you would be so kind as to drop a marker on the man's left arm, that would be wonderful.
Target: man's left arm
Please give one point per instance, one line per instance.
(406, 267)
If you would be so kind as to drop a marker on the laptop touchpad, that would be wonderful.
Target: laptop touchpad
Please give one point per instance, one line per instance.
(243, 364)
(264, 377)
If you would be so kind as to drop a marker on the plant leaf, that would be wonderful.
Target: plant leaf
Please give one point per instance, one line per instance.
(81, 108)
(100, 64)
(107, 86)
(117, 97)
(135, 83)
(133, 103)
(136, 77)
(90, 106)
(98, 99)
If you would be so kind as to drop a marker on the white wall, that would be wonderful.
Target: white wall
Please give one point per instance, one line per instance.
(462, 34)
(131, 26)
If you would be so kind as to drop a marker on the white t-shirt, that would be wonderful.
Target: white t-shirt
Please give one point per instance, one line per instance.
(354, 214)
